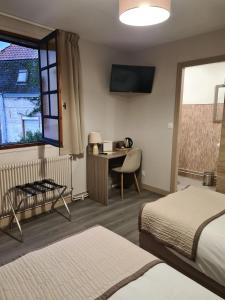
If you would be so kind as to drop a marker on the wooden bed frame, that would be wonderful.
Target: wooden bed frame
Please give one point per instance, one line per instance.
(150, 244)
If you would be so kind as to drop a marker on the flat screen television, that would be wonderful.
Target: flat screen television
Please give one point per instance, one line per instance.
(132, 79)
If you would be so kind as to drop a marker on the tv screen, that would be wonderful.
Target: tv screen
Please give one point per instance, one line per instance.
(133, 79)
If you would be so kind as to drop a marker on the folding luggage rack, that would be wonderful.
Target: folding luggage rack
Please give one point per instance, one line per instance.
(33, 190)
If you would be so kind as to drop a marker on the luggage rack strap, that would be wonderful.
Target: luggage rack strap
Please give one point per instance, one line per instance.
(50, 182)
(39, 187)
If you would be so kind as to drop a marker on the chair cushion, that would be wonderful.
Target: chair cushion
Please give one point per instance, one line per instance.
(118, 169)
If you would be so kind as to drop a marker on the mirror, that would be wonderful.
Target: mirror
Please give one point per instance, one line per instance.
(219, 103)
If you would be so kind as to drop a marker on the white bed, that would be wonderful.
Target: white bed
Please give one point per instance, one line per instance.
(163, 283)
(95, 265)
(210, 258)
(210, 247)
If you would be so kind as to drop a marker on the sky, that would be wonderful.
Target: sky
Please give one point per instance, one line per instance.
(3, 45)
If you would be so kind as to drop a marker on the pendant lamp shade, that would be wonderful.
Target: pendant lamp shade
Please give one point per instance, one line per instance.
(144, 12)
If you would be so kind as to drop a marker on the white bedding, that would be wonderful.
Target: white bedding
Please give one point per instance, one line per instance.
(88, 265)
(163, 283)
(211, 250)
(210, 258)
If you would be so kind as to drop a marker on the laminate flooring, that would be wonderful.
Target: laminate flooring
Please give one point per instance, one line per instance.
(119, 216)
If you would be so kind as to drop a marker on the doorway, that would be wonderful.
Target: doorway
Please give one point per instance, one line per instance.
(198, 123)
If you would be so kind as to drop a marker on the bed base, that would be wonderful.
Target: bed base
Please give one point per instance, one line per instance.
(150, 244)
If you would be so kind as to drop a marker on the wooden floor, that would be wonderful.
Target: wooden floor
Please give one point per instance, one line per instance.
(119, 216)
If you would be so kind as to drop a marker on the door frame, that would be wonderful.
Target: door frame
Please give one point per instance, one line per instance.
(177, 111)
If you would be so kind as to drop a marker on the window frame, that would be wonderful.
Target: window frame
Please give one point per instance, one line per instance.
(33, 43)
(45, 41)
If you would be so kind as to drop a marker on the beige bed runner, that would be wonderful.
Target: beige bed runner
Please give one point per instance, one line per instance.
(90, 265)
(177, 220)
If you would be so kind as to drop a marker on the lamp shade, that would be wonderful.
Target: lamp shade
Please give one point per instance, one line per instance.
(144, 12)
(94, 138)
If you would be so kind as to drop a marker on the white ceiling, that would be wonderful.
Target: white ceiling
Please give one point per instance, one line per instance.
(97, 20)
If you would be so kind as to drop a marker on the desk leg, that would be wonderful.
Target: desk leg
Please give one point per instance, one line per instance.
(97, 178)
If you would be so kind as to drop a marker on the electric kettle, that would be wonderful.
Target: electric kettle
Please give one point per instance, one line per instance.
(128, 143)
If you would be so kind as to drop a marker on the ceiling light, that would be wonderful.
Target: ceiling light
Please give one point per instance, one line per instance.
(144, 12)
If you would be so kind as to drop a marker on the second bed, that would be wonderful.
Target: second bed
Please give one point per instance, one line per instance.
(187, 229)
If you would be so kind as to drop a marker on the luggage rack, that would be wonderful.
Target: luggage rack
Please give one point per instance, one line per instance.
(33, 190)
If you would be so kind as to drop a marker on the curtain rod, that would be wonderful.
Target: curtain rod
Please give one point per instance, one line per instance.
(26, 21)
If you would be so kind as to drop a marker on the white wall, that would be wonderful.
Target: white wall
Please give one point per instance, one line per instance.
(200, 82)
(103, 111)
(150, 114)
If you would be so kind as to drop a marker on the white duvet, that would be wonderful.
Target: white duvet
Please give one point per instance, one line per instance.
(210, 258)
(163, 283)
(211, 250)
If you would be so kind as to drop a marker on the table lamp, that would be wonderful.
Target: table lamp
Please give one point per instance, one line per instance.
(95, 138)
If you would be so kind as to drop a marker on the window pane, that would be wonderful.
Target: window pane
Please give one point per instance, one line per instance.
(53, 79)
(51, 130)
(51, 124)
(20, 116)
(45, 104)
(31, 125)
(54, 105)
(22, 76)
(43, 56)
(44, 79)
(52, 51)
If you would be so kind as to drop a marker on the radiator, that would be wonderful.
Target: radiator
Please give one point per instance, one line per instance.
(57, 168)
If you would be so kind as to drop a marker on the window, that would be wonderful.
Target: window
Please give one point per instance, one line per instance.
(51, 118)
(29, 96)
(22, 76)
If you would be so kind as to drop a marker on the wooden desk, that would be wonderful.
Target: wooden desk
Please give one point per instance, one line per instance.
(98, 167)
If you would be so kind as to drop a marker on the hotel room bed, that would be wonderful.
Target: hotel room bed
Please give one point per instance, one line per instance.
(96, 264)
(198, 251)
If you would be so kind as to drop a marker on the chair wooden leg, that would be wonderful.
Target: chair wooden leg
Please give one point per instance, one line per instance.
(122, 186)
(136, 183)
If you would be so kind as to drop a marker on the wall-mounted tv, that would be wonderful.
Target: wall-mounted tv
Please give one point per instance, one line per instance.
(132, 79)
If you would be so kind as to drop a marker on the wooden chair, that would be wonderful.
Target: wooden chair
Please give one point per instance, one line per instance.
(130, 165)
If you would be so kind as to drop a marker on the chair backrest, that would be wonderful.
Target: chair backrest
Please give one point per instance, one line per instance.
(132, 161)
